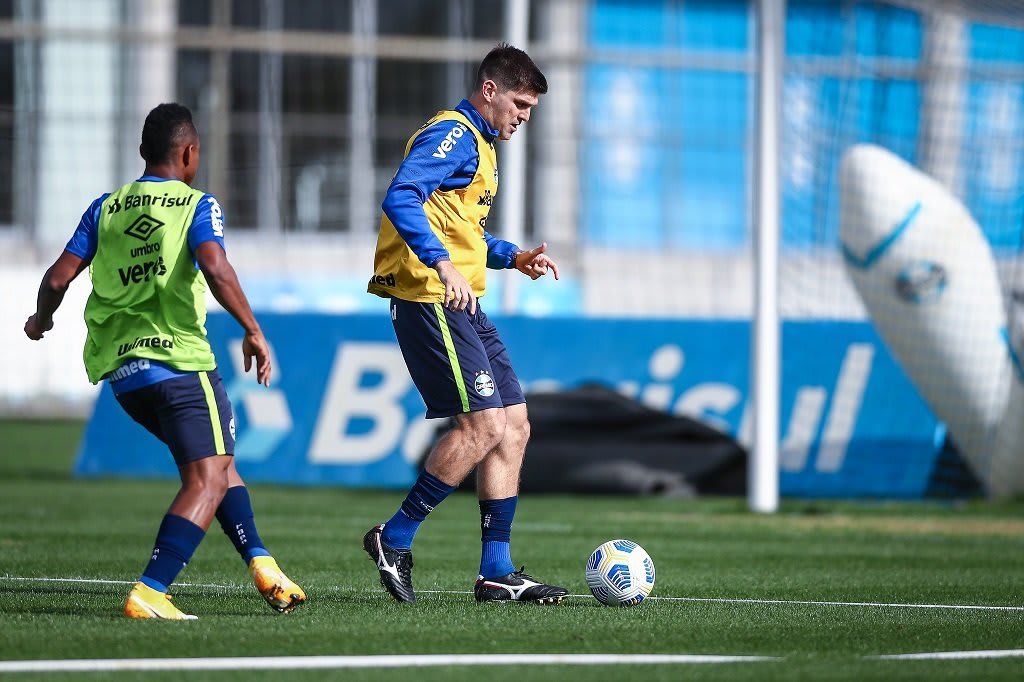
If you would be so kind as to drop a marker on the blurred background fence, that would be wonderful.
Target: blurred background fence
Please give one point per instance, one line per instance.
(638, 160)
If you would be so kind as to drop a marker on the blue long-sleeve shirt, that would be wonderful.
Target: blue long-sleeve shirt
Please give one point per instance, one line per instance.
(429, 167)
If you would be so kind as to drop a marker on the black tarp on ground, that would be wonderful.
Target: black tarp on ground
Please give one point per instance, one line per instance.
(594, 440)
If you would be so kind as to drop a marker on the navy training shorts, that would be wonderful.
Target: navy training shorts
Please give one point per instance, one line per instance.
(191, 414)
(457, 360)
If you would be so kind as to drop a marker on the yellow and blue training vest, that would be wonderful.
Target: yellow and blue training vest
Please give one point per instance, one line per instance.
(436, 209)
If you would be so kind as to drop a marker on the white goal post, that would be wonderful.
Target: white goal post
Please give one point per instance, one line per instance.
(763, 474)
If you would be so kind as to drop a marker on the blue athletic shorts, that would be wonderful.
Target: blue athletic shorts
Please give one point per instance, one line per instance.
(191, 414)
(457, 360)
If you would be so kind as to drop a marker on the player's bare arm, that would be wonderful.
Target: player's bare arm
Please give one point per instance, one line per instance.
(224, 286)
(458, 295)
(536, 262)
(52, 288)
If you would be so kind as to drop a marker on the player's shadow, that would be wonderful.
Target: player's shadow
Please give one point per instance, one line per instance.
(17, 599)
(107, 602)
(35, 588)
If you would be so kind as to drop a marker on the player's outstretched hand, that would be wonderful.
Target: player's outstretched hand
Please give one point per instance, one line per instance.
(34, 329)
(458, 295)
(255, 346)
(535, 262)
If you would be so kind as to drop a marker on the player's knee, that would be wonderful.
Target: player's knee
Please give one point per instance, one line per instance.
(486, 428)
(517, 434)
(211, 483)
(213, 488)
(219, 486)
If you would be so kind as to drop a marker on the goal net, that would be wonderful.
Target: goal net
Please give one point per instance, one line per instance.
(902, 157)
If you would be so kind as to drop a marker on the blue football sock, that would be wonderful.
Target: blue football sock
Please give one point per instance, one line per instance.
(236, 518)
(176, 542)
(428, 492)
(496, 534)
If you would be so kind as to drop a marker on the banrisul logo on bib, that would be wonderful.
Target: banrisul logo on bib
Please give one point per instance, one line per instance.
(484, 385)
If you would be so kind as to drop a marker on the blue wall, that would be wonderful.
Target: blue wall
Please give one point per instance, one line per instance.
(341, 408)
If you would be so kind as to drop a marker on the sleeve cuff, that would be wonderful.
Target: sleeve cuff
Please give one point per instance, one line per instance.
(436, 259)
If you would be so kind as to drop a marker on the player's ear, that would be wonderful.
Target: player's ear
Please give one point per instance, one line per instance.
(489, 89)
(187, 152)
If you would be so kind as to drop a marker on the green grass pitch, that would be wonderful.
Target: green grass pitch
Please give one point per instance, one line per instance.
(728, 582)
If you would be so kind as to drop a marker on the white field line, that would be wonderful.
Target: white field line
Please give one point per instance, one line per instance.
(390, 661)
(426, 660)
(99, 581)
(336, 662)
(725, 600)
(954, 655)
(722, 600)
(977, 607)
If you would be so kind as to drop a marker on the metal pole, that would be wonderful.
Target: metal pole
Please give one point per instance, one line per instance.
(150, 81)
(269, 215)
(220, 109)
(763, 475)
(362, 206)
(27, 98)
(555, 205)
(512, 161)
(943, 96)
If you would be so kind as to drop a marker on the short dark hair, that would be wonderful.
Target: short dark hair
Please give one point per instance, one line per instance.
(511, 69)
(166, 126)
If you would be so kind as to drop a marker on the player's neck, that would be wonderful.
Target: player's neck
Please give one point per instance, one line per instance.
(482, 106)
(165, 171)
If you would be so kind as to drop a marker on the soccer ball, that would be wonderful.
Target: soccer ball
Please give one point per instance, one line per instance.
(620, 573)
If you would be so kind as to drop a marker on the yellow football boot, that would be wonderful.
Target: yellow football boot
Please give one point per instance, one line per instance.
(145, 602)
(280, 592)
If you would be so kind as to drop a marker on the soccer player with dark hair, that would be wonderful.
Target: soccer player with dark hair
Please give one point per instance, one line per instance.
(432, 253)
(152, 247)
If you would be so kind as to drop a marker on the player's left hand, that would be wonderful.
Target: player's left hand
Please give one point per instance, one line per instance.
(535, 262)
(254, 346)
(34, 328)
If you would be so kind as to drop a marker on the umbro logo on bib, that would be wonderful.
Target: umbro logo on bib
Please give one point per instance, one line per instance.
(143, 227)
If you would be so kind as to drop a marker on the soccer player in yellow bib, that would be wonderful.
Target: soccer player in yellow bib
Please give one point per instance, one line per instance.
(152, 247)
(433, 250)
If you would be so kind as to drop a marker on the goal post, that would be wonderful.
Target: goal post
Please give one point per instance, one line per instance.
(763, 476)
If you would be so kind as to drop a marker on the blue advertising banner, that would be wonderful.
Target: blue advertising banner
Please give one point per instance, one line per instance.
(342, 409)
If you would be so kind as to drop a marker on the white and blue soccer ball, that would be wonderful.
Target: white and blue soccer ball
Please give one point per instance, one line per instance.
(620, 573)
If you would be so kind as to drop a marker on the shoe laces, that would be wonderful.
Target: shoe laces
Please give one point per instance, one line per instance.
(403, 562)
(523, 576)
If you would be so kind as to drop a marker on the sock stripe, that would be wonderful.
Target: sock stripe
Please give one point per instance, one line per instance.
(239, 523)
(428, 492)
(496, 533)
(176, 542)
